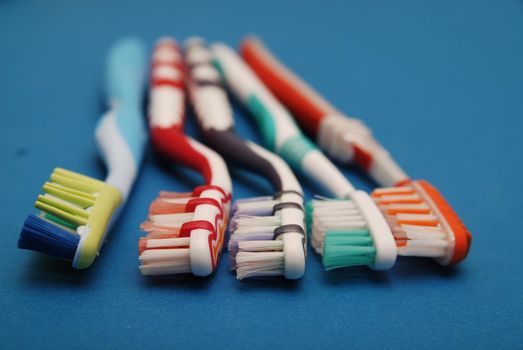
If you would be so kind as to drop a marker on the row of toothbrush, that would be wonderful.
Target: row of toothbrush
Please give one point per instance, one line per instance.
(185, 232)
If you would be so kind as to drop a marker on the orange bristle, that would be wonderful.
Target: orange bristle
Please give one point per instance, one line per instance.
(155, 230)
(142, 244)
(399, 201)
(160, 206)
(418, 222)
(174, 195)
(418, 209)
(407, 211)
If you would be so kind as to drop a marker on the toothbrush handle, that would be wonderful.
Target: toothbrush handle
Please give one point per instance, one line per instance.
(215, 119)
(166, 115)
(121, 134)
(279, 130)
(343, 138)
(167, 109)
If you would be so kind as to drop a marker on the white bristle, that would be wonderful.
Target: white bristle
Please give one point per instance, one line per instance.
(256, 264)
(269, 259)
(153, 243)
(331, 204)
(166, 268)
(181, 200)
(260, 246)
(246, 272)
(409, 250)
(263, 206)
(416, 217)
(421, 232)
(165, 261)
(427, 243)
(258, 221)
(157, 255)
(254, 229)
(171, 220)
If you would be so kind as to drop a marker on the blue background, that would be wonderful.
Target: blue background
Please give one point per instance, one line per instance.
(439, 82)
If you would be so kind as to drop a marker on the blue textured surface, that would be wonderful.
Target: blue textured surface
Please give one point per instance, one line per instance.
(440, 84)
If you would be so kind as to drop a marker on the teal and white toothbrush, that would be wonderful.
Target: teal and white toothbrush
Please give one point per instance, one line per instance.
(355, 232)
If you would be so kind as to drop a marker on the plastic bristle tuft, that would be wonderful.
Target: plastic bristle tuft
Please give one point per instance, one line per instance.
(423, 222)
(163, 251)
(42, 236)
(161, 206)
(308, 215)
(253, 252)
(348, 248)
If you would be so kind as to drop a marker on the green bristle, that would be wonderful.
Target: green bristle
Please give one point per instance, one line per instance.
(60, 221)
(309, 208)
(348, 248)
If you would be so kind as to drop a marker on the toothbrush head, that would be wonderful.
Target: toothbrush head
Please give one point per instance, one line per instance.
(267, 237)
(423, 223)
(76, 211)
(178, 224)
(351, 232)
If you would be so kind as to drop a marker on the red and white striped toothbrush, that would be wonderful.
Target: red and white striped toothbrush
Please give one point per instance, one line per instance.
(422, 221)
(185, 231)
(267, 234)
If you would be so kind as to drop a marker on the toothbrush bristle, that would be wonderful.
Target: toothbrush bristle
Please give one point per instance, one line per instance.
(45, 237)
(423, 223)
(163, 250)
(340, 234)
(157, 230)
(164, 206)
(253, 251)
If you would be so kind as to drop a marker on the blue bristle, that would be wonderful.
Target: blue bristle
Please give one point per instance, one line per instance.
(42, 236)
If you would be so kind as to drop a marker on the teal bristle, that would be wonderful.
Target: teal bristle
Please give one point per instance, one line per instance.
(309, 208)
(345, 248)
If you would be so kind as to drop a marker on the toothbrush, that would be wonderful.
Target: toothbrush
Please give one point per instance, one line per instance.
(76, 211)
(267, 233)
(422, 221)
(356, 232)
(185, 231)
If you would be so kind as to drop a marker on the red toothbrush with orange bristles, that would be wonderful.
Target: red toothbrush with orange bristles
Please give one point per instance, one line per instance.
(422, 221)
(185, 231)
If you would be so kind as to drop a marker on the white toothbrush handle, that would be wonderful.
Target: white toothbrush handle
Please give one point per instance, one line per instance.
(278, 129)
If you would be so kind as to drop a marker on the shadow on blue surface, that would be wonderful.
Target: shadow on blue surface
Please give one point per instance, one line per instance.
(407, 268)
(45, 271)
(186, 281)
